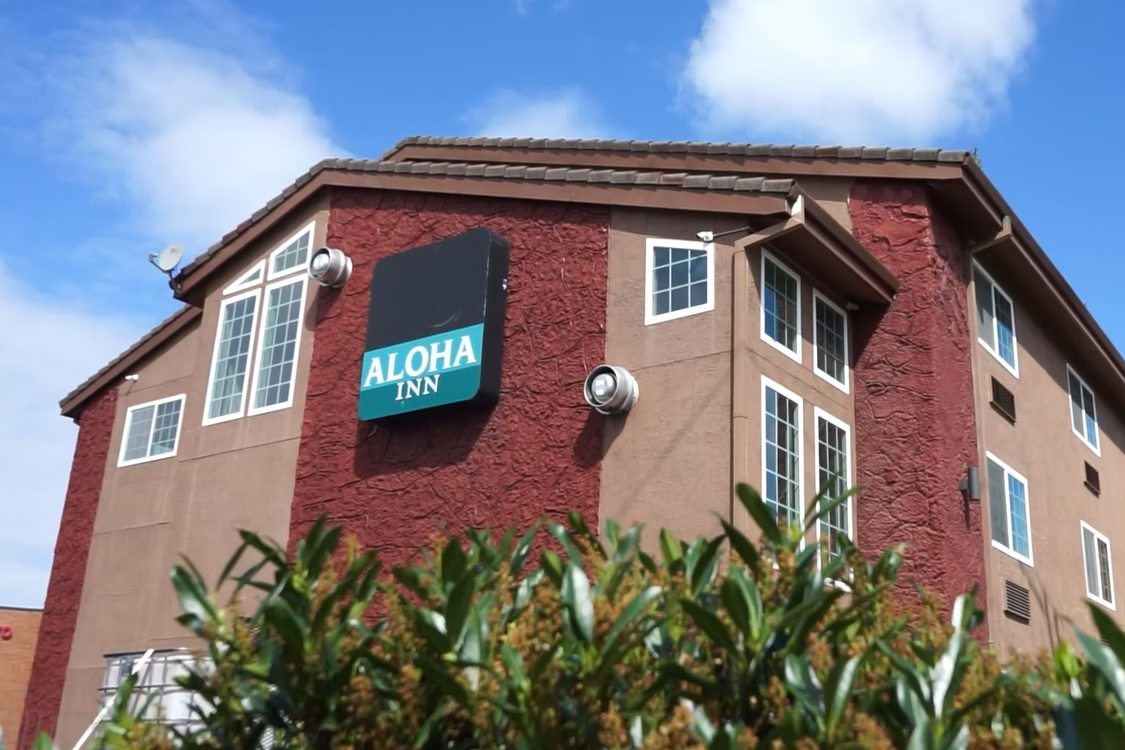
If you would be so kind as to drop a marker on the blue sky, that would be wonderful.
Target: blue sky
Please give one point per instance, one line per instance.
(127, 125)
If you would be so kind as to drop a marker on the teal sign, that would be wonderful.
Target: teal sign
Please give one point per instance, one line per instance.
(435, 326)
(419, 374)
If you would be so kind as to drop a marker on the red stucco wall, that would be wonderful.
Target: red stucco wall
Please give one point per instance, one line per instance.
(536, 453)
(914, 413)
(76, 529)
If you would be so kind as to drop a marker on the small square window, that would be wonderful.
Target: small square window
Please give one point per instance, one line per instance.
(996, 326)
(152, 431)
(679, 279)
(830, 342)
(1098, 562)
(781, 307)
(1083, 414)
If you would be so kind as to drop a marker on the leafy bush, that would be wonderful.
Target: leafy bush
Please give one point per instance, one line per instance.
(574, 640)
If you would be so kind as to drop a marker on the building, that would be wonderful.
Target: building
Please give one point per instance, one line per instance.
(19, 631)
(880, 313)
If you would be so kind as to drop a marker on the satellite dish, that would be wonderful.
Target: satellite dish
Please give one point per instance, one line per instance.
(167, 258)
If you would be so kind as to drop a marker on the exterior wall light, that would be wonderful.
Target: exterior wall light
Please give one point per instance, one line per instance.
(611, 389)
(330, 267)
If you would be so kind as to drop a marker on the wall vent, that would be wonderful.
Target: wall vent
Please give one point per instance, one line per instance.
(1017, 601)
(1093, 481)
(1003, 401)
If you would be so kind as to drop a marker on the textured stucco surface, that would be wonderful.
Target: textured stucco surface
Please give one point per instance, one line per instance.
(68, 571)
(536, 453)
(19, 629)
(914, 413)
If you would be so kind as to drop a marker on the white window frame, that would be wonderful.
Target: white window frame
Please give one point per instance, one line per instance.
(767, 383)
(793, 355)
(1008, 470)
(994, 349)
(271, 275)
(846, 384)
(849, 480)
(251, 363)
(1109, 565)
(651, 317)
(257, 349)
(121, 460)
(1096, 445)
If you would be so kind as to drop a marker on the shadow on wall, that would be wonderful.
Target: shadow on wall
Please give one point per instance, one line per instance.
(1050, 612)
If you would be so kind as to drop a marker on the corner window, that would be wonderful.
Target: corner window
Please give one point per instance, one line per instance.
(1008, 510)
(781, 309)
(1098, 564)
(781, 452)
(679, 279)
(259, 331)
(1083, 415)
(157, 696)
(833, 475)
(152, 431)
(830, 342)
(996, 327)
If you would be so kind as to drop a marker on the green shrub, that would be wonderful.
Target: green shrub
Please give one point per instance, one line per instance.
(574, 640)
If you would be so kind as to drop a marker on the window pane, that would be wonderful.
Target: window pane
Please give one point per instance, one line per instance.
(279, 339)
(832, 480)
(1103, 570)
(232, 358)
(1076, 417)
(662, 280)
(1091, 423)
(830, 348)
(782, 457)
(997, 504)
(166, 427)
(779, 306)
(660, 256)
(698, 265)
(985, 317)
(1091, 562)
(1005, 333)
(1021, 542)
(698, 294)
(139, 431)
(295, 254)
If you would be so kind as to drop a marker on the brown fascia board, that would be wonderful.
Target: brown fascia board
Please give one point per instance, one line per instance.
(879, 280)
(119, 366)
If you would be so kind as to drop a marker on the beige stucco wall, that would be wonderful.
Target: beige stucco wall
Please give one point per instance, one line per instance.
(225, 476)
(1043, 448)
(668, 461)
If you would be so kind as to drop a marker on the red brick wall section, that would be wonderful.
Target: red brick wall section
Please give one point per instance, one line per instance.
(535, 454)
(914, 412)
(76, 529)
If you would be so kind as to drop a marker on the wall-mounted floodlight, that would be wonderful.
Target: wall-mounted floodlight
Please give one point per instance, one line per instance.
(611, 389)
(330, 267)
(970, 484)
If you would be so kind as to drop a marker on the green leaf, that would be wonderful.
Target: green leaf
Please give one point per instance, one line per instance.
(566, 539)
(457, 607)
(44, 742)
(735, 602)
(452, 562)
(579, 605)
(194, 599)
(741, 544)
(760, 512)
(838, 689)
(1104, 661)
(631, 612)
(705, 565)
(672, 549)
(710, 624)
(522, 550)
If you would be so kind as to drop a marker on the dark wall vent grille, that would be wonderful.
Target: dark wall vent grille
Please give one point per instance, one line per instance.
(1003, 401)
(1017, 601)
(1093, 481)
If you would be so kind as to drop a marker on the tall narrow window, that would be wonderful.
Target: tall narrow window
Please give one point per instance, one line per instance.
(781, 310)
(277, 353)
(1008, 510)
(830, 341)
(833, 474)
(152, 431)
(1083, 415)
(258, 335)
(679, 279)
(996, 327)
(1098, 564)
(781, 449)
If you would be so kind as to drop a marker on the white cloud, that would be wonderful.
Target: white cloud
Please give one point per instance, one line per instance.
(862, 71)
(36, 444)
(193, 139)
(563, 114)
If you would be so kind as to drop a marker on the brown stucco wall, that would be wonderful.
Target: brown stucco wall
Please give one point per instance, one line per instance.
(1042, 447)
(235, 474)
(61, 611)
(19, 630)
(915, 425)
(668, 462)
(535, 454)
